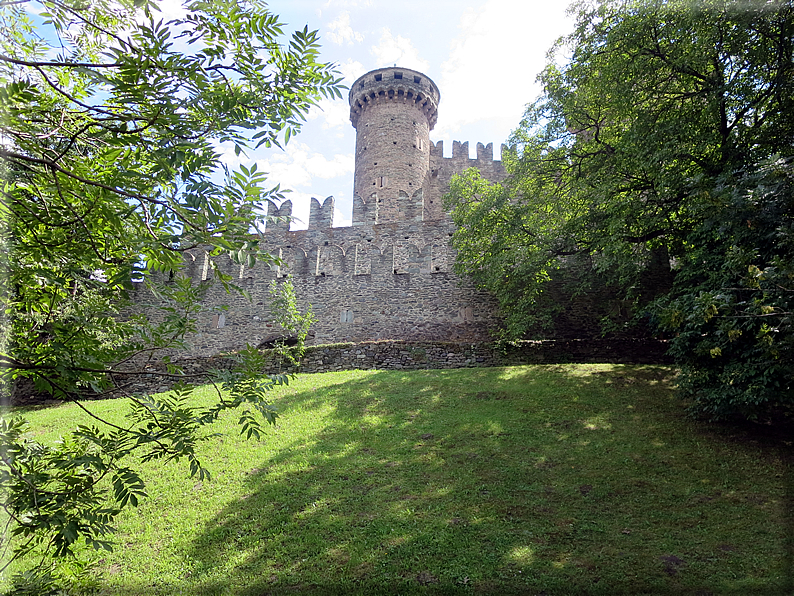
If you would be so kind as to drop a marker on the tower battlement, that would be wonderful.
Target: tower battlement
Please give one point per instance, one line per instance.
(402, 85)
(460, 152)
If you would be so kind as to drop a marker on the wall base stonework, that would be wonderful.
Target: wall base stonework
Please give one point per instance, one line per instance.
(419, 355)
(406, 355)
(401, 355)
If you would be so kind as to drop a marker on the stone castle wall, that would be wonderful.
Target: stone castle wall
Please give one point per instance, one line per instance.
(389, 275)
(366, 282)
(412, 355)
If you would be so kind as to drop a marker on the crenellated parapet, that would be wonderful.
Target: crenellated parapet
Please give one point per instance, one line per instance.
(406, 207)
(321, 216)
(411, 207)
(279, 216)
(410, 247)
(394, 85)
(365, 211)
(443, 168)
(460, 154)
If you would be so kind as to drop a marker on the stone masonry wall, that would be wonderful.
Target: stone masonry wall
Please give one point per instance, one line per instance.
(386, 277)
(384, 281)
(408, 355)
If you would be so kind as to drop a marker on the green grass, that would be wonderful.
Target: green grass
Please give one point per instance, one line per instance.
(580, 479)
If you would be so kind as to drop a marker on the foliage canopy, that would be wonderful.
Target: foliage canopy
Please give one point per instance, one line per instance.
(113, 116)
(667, 135)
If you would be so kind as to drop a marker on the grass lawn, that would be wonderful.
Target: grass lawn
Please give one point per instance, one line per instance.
(573, 479)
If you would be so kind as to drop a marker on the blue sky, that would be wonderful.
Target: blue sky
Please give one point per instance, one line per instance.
(484, 55)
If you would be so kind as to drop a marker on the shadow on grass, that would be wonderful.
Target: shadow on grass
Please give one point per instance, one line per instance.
(552, 480)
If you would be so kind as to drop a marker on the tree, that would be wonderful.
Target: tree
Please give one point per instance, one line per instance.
(112, 119)
(667, 136)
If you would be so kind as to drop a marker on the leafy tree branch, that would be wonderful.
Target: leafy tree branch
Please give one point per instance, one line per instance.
(111, 121)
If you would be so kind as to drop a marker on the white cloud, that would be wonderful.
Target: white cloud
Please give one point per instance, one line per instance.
(295, 169)
(347, 3)
(351, 70)
(340, 165)
(298, 166)
(301, 202)
(340, 219)
(340, 31)
(33, 8)
(397, 50)
(500, 49)
(335, 113)
(171, 9)
(227, 155)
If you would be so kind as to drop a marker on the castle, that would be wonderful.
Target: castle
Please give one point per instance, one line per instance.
(389, 275)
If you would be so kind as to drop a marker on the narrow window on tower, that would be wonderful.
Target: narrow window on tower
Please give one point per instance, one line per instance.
(206, 267)
(382, 182)
(398, 75)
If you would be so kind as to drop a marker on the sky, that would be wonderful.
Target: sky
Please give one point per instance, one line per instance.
(484, 55)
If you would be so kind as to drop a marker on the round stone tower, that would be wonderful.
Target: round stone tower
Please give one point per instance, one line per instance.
(393, 111)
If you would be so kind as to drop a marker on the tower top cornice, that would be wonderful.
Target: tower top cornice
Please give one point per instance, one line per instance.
(394, 84)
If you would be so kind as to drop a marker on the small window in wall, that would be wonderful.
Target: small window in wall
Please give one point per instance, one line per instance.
(418, 80)
(346, 316)
(205, 267)
(420, 144)
(398, 75)
(382, 182)
(218, 321)
(378, 77)
(466, 314)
